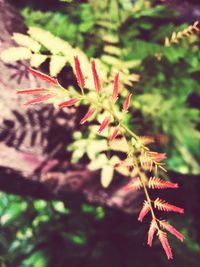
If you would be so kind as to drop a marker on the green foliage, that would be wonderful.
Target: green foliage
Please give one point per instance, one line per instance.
(133, 41)
(128, 38)
(84, 233)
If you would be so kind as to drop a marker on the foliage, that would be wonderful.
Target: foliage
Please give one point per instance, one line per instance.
(43, 233)
(133, 38)
(128, 47)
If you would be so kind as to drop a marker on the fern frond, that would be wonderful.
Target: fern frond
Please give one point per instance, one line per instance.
(152, 230)
(145, 209)
(176, 37)
(165, 244)
(165, 225)
(135, 184)
(165, 206)
(27, 42)
(157, 183)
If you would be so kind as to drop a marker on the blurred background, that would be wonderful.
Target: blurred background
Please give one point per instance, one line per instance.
(128, 35)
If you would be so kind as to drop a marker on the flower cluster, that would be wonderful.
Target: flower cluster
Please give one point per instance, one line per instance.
(147, 161)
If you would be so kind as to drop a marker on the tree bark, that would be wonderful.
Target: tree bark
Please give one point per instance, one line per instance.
(33, 157)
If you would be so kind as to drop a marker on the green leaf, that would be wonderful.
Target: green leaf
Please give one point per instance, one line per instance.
(37, 259)
(107, 175)
(15, 53)
(57, 63)
(26, 41)
(60, 207)
(37, 60)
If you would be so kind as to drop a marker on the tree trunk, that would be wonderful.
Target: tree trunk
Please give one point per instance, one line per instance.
(33, 157)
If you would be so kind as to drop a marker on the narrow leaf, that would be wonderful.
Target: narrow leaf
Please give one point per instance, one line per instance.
(163, 239)
(89, 114)
(43, 76)
(104, 124)
(96, 77)
(114, 135)
(145, 209)
(127, 102)
(115, 88)
(135, 184)
(172, 230)
(68, 103)
(32, 91)
(165, 206)
(153, 228)
(157, 183)
(79, 74)
(39, 99)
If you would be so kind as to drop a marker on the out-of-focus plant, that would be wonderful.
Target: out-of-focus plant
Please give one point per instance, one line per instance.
(154, 95)
(128, 37)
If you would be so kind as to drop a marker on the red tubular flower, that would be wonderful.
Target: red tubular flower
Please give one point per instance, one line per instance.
(31, 91)
(165, 206)
(90, 112)
(104, 124)
(153, 228)
(127, 102)
(115, 88)
(39, 99)
(79, 74)
(114, 135)
(172, 230)
(145, 209)
(68, 103)
(43, 76)
(96, 77)
(163, 239)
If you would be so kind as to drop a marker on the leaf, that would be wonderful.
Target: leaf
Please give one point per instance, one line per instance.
(37, 60)
(36, 259)
(98, 163)
(57, 63)
(54, 44)
(107, 175)
(113, 50)
(96, 146)
(26, 41)
(15, 53)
